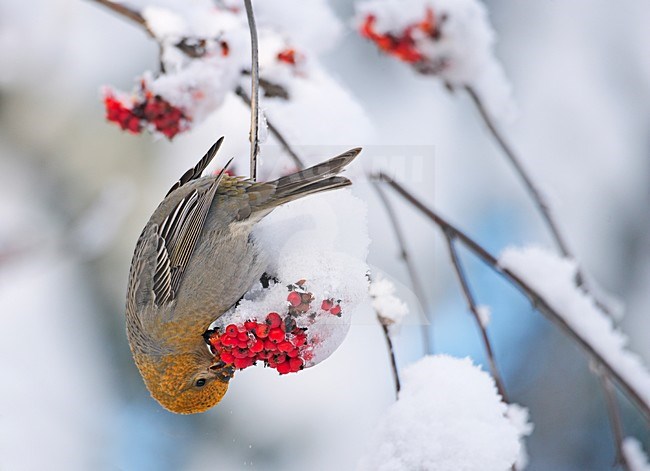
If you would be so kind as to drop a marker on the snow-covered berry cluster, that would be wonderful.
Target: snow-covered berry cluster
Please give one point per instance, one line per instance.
(277, 340)
(145, 110)
(449, 39)
(403, 44)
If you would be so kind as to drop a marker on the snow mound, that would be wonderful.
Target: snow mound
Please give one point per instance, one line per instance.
(449, 417)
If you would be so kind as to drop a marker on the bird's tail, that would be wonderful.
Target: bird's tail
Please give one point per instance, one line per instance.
(321, 177)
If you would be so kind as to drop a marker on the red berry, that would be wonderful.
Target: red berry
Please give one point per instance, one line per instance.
(242, 336)
(293, 353)
(285, 346)
(242, 343)
(263, 355)
(279, 358)
(276, 335)
(228, 340)
(336, 310)
(240, 352)
(294, 299)
(299, 340)
(283, 368)
(296, 364)
(232, 330)
(242, 363)
(250, 325)
(227, 357)
(257, 347)
(326, 305)
(273, 320)
(261, 330)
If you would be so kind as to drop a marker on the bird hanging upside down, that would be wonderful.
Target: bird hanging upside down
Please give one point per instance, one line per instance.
(193, 261)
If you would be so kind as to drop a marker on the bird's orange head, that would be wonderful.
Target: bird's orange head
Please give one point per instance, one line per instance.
(183, 383)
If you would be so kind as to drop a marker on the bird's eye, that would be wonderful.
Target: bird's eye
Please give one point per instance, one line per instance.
(200, 383)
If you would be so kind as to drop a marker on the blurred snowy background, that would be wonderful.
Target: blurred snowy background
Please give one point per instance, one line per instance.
(76, 192)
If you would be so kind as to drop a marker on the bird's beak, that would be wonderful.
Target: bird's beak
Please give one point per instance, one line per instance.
(222, 371)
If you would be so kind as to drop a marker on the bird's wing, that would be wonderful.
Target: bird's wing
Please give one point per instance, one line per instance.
(178, 234)
(196, 171)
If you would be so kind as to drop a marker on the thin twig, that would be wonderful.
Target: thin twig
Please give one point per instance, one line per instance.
(240, 92)
(471, 304)
(127, 12)
(532, 189)
(391, 353)
(416, 285)
(255, 89)
(536, 195)
(614, 415)
(534, 297)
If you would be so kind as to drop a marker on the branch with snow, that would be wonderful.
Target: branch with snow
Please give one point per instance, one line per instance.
(449, 415)
(552, 278)
(595, 334)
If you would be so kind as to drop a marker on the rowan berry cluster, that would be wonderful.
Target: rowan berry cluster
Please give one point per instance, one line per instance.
(402, 45)
(145, 110)
(276, 340)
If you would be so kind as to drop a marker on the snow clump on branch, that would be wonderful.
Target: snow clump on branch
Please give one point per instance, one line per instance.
(448, 416)
(554, 278)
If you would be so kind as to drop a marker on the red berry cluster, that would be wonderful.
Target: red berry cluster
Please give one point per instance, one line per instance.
(402, 46)
(332, 307)
(148, 108)
(276, 341)
(117, 112)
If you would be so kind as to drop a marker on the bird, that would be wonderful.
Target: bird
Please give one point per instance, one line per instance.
(194, 260)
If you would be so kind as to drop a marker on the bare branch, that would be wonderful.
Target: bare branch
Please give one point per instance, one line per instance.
(471, 304)
(532, 189)
(391, 353)
(416, 285)
(535, 194)
(535, 298)
(255, 93)
(127, 12)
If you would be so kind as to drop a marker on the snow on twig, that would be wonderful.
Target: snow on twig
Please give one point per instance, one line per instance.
(636, 459)
(552, 278)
